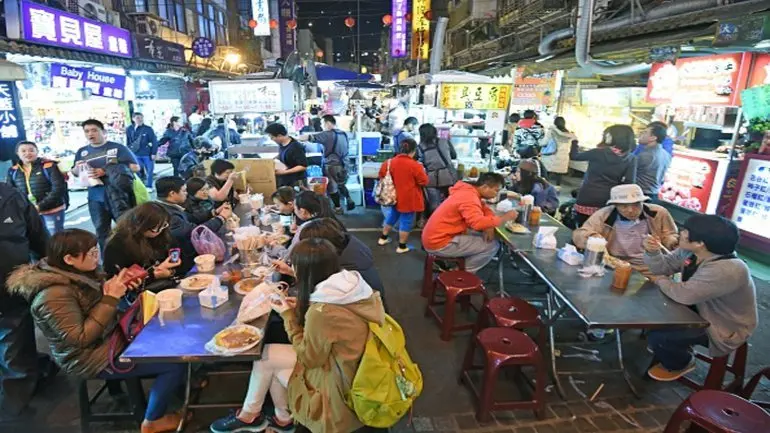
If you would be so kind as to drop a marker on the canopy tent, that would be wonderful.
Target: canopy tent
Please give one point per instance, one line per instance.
(325, 72)
(360, 85)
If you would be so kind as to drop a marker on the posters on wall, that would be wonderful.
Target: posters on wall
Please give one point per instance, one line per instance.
(752, 204)
(457, 96)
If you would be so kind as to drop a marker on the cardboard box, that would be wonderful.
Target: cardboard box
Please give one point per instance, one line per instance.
(259, 174)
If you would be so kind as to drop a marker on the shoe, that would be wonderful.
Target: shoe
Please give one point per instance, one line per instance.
(382, 241)
(662, 374)
(276, 427)
(400, 250)
(338, 211)
(351, 205)
(166, 423)
(231, 424)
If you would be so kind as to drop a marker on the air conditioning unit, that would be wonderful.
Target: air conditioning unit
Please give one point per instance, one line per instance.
(147, 25)
(92, 9)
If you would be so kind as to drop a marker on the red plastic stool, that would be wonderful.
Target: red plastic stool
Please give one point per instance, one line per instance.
(720, 366)
(748, 390)
(457, 284)
(719, 412)
(513, 313)
(428, 280)
(504, 347)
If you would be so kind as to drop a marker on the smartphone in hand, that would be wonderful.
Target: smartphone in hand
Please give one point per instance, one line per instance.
(175, 254)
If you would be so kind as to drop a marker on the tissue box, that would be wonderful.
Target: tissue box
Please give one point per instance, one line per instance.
(570, 256)
(213, 297)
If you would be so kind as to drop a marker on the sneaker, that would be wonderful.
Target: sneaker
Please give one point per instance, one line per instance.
(277, 427)
(662, 374)
(231, 424)
(351, 205)
(400, 250)
(338, 211)
(166, 423)
(382, 241)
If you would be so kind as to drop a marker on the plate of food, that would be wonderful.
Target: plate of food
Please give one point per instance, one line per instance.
(197, 282)
(246, 285)
(261, 272)
(516, 228)
(237, 338)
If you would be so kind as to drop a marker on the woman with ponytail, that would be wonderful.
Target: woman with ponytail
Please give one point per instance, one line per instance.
(409, 178)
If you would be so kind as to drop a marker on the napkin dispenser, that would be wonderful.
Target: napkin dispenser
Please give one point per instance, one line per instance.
(570, 255)
(213, 297)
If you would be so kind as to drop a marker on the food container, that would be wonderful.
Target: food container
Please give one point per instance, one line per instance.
(213, 297)
(169, 300)
(594, 253)
(205, 262)
(244, 199)
(622, 275)
(257, 201)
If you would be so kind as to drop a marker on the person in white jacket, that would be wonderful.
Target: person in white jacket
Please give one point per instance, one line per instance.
(556, 147)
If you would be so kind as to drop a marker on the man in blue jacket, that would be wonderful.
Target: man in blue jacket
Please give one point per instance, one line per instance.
(667, 144)
(141, 140)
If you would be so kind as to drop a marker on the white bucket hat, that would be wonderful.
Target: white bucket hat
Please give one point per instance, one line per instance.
(627, 194)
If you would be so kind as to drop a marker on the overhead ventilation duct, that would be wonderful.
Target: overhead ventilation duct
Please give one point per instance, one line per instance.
(438, 45)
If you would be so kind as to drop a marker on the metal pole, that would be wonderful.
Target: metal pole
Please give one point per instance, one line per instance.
(358, 35)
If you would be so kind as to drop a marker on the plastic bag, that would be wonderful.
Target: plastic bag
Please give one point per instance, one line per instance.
(206, 241)
(504, 206)
(257, 303)
(545, 238)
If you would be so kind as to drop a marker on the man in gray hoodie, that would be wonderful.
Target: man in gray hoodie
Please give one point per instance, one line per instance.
(715, 283)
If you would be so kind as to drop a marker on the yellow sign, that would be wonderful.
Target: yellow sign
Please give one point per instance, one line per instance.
(474, 96)
(420, 29)
(403, 75)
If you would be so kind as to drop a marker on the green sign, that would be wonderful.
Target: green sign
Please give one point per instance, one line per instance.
(756, 102)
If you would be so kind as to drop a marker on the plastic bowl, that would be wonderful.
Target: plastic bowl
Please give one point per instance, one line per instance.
(169, 299)
(205, 262)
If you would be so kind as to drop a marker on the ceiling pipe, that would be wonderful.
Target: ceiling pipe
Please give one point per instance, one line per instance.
(585, 20)
(439, 34)
(547, 44)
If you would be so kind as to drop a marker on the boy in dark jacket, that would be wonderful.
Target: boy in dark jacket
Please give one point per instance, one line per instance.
(198, 205)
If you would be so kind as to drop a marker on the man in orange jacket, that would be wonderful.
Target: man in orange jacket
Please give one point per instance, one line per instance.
(464, 226)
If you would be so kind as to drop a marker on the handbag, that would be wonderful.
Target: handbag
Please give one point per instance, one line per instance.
(551, 147)
(385, 190)
(129, 326)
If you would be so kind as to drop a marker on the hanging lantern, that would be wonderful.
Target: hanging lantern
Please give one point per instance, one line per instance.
(252, 24)
(319, 53)
(408, 17)
(350, 22)
(387, 19)
(273, 24)
(291, 24)
(428, 15)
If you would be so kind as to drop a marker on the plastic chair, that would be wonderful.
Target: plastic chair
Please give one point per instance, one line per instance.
(748, 390)
(428, 279)
(719, 412)
(504, 347)
(456, 284)
(718, 368)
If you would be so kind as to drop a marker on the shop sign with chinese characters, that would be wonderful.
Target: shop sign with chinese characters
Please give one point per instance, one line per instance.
(261, 15)
(398, 29)
(420, 29)
(533, 90)
(752, 205)
(474, 96)
(11, 122)
(159, 50)
(251, 96)
(49, 26)
(287, 11)
(710, 80)
(99, 83)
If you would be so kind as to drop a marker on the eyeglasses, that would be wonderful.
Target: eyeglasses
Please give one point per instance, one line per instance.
(164, 226)
(93, 252)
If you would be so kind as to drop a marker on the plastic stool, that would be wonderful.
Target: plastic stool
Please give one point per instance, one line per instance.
(457, 284)
(719, 412)
(748, 390)
(720, 366)
(513, 313)
(427, 276)
(504, 347)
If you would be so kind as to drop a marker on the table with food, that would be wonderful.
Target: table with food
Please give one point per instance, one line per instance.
(220, 312)
(603, 292)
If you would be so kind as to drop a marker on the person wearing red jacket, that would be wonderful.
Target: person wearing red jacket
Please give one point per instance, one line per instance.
(464, 226)
(408, 178)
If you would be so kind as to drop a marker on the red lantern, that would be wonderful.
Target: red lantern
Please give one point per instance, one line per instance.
(350, 22)
(291, 24)
(252, 24)
(387, 19)
(428, 15)
(273, 24)
(319, 53)
(408, 17)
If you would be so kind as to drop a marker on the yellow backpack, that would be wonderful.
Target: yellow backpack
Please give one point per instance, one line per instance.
(387, 381)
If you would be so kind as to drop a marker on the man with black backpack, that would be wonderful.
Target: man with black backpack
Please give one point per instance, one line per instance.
(141, 140)
(335, 143)
(529, 132)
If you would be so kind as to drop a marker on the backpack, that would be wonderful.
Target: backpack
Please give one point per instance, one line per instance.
(551, 147)
(385, 190)
(47, 166)
(387, 382)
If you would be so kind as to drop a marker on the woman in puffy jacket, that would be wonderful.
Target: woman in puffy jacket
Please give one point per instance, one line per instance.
(41, 181)
(77, 312)
(179, 142)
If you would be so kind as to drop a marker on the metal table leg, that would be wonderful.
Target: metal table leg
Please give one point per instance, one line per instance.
(186, 404)
(552, 316)
(500, 265)
(626, 376)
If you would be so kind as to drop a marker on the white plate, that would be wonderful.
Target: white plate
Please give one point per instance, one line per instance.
(185, 284)
(243, 348)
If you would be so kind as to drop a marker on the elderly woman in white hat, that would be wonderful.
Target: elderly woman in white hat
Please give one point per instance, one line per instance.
(626, 222)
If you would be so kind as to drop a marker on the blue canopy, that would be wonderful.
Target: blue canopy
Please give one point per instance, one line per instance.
(325, 72)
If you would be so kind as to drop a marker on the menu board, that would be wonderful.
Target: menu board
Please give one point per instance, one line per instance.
(251, 96)
(533, 90)
(693, 182)
(456, 96)
(752, 204)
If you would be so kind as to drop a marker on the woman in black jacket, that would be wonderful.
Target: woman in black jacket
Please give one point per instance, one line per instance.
(142, 237)
(609, 165)
(199, 206)
(42, 183)
(179, 142)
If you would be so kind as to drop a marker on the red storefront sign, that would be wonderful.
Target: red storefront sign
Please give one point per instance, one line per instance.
(710, 80)
(760, 73)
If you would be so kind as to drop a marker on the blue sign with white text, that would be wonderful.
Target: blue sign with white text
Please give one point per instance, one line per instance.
(11, 121)
(100, 83)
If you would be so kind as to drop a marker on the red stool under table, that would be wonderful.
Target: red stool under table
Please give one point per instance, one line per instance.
(504, 347)
(428, 280)
(718, 368)
(748, 390)
(513, 313)
(719, 412)
(456, 284)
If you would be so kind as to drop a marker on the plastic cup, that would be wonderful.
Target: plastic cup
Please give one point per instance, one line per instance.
(205, 262)
(622, 275)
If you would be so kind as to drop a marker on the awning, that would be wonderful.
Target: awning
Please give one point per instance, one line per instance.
(325, 72)
(10, 71)
(449, 76)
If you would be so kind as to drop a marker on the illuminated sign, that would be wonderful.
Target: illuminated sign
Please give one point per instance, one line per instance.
(398, 29)
(474, 96)
(420, 29)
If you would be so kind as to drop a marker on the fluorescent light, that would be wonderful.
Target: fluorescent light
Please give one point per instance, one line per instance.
(543, 59)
